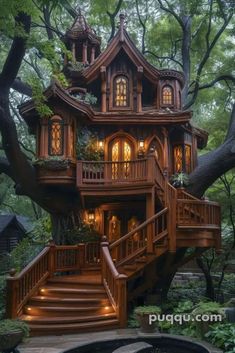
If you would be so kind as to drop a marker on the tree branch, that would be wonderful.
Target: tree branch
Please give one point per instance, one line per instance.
(5, 168)
(213, 82)
(22, 87)
(163, 57)
(16, 53)
(170, 10)
(112, 18)
(206, 56)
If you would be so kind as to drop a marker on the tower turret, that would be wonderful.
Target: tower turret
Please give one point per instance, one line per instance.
(82, 40)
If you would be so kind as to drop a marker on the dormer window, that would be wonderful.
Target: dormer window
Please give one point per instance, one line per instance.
(56, 134)
(167, 95)
(121, 91)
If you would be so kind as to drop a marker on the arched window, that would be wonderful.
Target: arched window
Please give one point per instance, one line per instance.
(167, 95)
(121, 91)
(56, 136)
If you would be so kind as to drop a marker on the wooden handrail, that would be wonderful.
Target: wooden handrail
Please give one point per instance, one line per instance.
(141, 226)
(50, 260)
(114, 283)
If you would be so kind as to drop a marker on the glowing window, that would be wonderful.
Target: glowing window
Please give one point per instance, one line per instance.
(178, 159)
(167, 95)
(56, 132)
(187, 159)
(121, 91)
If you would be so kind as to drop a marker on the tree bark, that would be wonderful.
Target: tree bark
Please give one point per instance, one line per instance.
(210, 290)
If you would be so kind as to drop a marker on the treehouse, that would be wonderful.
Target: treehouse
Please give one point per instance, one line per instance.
(116, 137)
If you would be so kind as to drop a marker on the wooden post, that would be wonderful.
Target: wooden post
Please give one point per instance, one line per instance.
(104, 243)
(81, 254)
(84, 53)
(165, 151)
(150, 167)
(171, 221)
(92, 54)
(79, 173)
(51, 263)
(103, 89)
(11, 299)
(139, 88)
(150, 210)
(122, 299)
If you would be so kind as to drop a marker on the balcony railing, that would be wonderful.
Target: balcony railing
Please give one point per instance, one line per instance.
(108, 172)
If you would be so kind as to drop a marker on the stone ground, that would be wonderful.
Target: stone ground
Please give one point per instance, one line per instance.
(59, 344)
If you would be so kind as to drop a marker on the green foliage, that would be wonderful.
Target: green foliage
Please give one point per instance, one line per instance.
(24, 252)
(84, 234)
(180, 179)
(184, 307)
(39, 98)
(2, 296)
(7, 326)
(87, 146)
(60, 77)
(223, 336)
(86, 98)
(147, 309)
(41, 233)
(132, 322)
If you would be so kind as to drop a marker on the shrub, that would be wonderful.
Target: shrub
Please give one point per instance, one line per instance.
(222, 336)
(12, 325)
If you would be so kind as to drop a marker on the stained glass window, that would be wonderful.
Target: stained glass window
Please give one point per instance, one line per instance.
(167, 95)
(121, 91)
(187, 158)
(56, 132)
(178, 159)
(115, 158)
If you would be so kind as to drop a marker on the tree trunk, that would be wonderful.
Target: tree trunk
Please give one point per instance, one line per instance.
(210, 290)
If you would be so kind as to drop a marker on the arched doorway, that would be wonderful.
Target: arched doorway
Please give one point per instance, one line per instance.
(121, 152)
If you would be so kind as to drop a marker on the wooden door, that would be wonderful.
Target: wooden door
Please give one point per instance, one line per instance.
(120, 153)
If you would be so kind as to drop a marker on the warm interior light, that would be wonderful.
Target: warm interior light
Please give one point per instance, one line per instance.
(141, 144)
(101, 144)
(91, 217)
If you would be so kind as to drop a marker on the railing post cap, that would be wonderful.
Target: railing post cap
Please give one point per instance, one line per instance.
(104, 241)
(51, 242)
(12, 272)
(122, 276)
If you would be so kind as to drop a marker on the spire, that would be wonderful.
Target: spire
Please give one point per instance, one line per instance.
(122, 25)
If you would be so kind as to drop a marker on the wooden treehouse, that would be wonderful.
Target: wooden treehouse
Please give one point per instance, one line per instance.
(143, 137)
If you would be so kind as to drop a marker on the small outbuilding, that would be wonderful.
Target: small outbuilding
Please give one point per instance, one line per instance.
(12, 230)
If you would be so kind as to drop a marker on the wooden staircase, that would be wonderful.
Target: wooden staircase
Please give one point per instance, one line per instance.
(69, 304)
(53, 301)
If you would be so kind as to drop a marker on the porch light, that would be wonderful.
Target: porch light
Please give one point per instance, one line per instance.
(91, 217)
(141, 147)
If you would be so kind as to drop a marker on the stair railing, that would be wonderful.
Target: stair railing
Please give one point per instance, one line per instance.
(52, 259)
(134, 243)
(114, 283)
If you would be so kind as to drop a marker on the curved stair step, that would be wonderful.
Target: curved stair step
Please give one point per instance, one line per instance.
(64, 320)
(62, 301)
(77, 279)
(52, 329)
(67, 310)
(57, 290)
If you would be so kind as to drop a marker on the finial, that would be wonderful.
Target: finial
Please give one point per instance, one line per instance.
(121, 25)
(78, 10)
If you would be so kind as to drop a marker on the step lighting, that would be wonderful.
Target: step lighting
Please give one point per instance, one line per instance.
(107, 308)
(42, 290)
(29, 309)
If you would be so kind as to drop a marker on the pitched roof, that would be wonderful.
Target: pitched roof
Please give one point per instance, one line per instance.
(7, 220)
(122, 40)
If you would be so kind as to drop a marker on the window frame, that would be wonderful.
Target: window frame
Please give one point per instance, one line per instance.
(167, 85)
(55, 119)
(112, 105)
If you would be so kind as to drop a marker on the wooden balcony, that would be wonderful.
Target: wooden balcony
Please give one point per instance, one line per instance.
(108, 172)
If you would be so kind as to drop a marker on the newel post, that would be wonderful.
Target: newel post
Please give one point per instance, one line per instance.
(82, 254)
(122, 299)
(11, 298)
(51, 262)
(150, 167)
(104, 243)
